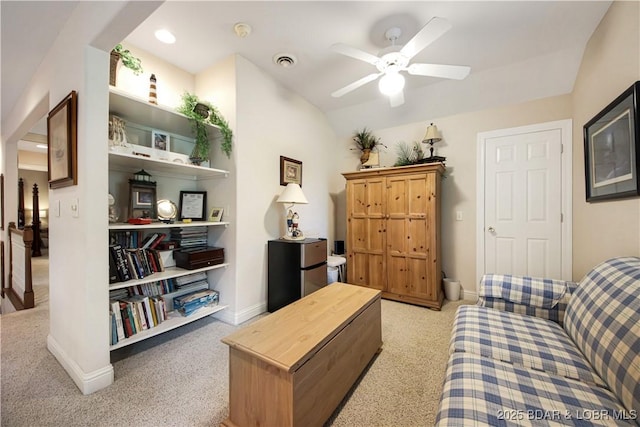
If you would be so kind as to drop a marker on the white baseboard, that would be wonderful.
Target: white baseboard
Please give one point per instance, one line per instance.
(87, 382)
(236, 318)
(469, 295)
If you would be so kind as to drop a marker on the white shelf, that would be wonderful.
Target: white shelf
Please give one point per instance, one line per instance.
(132, 163)
(156, 225)
(139, 111)
(168, 273)
(174, 320)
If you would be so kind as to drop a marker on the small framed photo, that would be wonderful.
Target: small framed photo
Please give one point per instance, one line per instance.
(216, 215)
(142, 201)
(160, 140)
(62, 131)
(612, 149)
(290, 171)
(193, 205)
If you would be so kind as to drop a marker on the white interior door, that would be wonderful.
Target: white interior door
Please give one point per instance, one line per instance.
(525, 203)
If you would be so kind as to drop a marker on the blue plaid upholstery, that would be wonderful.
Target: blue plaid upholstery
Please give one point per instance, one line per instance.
(521, 340)
(544, 298)
(603, 319)
(479, 391)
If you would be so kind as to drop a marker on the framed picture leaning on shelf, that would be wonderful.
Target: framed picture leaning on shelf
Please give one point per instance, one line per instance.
(193, 205)
(160, 144)
(216, 215)
(142, 201)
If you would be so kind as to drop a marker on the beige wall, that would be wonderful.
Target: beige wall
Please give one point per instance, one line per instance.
(458, 145)
(611, 63)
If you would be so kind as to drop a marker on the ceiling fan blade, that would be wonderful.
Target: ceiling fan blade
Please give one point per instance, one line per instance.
(457, 72)
(355, 85)
(427, 35)
(396, 99)
(355, 53)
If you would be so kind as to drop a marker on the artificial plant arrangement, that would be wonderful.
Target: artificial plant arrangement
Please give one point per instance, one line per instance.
(128, 60)
(365, 141)
(408, 155)
(200, 113)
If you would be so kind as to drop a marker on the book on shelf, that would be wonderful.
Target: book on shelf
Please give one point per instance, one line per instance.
(157, 241)
(187, 304)
(122, 266)
(115, 309)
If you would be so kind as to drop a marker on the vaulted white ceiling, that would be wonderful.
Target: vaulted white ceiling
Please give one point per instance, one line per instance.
(537, 44)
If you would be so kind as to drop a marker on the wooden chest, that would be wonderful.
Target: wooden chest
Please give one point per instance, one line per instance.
(294, 367)
(198, 257)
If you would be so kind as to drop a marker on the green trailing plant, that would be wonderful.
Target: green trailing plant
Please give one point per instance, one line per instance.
(128, 60)
(365, 140)
(408, 155)
(192, 107)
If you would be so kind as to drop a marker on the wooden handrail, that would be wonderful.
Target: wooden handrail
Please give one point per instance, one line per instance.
(20, 241)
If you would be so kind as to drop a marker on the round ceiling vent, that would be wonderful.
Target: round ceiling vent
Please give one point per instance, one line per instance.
(285, 60)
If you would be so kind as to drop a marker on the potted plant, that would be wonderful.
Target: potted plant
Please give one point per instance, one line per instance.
(128, 60)
(365, 141)
(200, 113)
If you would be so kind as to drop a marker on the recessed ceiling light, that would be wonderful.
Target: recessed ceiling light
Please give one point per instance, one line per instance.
(41, 146)
(165, 36)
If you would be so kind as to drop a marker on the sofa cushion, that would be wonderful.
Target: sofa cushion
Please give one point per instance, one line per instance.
(481, 391)
(521, 340)
(603, 319)
(530, 291)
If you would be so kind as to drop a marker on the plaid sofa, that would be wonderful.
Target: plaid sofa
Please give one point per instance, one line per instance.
(546, 352)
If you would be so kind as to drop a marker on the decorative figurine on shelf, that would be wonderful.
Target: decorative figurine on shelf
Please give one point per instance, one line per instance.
(117, 135)
(153, 97)
(113, 212)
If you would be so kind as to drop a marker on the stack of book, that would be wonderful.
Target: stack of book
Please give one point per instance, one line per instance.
(190, 237)
(187, 304)
(191, 280)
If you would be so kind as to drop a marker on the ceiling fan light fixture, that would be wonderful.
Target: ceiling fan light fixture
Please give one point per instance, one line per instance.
(391, 83)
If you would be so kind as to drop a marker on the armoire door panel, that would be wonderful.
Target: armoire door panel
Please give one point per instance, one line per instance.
(417, 241)
(420, 189)
(376, 278)
(358, 269)
(396, 197)
(376, 235)
(357, 202)
(418, 275)
(396, 235)
(375, 197)
(397, 275)
(359, 234)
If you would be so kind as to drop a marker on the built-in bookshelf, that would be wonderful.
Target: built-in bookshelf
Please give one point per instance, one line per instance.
(151, 116)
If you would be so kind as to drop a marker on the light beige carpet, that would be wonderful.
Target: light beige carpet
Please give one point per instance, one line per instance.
(180, 378)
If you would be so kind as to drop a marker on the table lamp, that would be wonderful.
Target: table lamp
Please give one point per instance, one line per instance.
(432, 136)
(291, 196)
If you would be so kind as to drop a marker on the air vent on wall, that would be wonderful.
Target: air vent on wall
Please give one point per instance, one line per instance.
(285, 60)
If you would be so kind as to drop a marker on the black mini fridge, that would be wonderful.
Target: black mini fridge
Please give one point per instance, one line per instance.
(296, 269)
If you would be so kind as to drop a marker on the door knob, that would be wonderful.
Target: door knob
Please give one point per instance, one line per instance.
(491, 230)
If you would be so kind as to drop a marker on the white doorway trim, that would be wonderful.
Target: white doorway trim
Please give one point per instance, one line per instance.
(565, 127)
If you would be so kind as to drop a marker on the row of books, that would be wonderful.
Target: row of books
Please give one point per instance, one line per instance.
(128, 264)
(194, 281)
(132, 315)
(133, 239)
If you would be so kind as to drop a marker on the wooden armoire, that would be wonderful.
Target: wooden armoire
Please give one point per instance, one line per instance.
(393, 232)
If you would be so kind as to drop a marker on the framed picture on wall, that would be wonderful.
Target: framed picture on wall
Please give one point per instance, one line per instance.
(62, 130)
(612, 149)
(290, 171)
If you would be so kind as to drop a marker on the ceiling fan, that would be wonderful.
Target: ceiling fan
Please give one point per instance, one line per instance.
(394, 59)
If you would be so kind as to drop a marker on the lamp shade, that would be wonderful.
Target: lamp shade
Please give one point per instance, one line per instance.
(292, 194)
(432, 134)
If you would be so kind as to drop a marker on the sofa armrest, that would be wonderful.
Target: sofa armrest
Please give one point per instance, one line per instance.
(544, 298)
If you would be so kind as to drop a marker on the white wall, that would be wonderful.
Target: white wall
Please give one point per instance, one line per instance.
(272, 121)
(79, 322)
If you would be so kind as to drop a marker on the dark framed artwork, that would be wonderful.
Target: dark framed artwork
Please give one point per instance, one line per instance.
(193, 205)
(612, 149)
(142, 201)
(290, 171)
(62, 134)
(1, 201)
